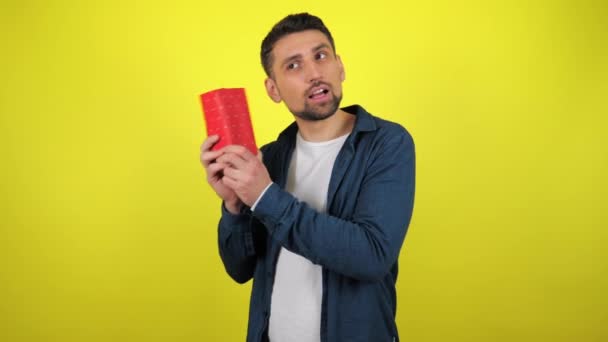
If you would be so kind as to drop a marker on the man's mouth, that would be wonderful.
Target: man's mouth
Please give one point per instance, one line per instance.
(318, 93)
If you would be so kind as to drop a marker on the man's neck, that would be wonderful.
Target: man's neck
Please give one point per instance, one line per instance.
(333, 127)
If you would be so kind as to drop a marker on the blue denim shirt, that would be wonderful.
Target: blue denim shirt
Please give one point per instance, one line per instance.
(357, 242)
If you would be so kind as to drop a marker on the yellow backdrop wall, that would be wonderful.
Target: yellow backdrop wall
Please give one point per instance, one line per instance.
(108, 229)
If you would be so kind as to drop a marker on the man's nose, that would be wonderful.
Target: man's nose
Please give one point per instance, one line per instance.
(314, 73)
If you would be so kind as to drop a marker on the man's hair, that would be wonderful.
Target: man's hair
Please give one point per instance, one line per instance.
(290, 24)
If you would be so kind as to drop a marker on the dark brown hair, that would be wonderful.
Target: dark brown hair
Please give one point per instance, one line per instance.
(290, 24)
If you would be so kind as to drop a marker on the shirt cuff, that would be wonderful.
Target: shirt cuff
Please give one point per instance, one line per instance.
(260, 197)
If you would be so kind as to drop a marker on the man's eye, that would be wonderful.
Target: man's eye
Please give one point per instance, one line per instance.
(292, 66)
(321, 55)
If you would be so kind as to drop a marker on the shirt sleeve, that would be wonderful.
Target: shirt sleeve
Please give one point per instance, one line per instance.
(259, 197)
(236, 245)
(366, 245)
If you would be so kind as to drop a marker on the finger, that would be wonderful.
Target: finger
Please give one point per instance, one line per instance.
(242, 151)
(209, 156)
(229, 182)
(214, 168)
(209, 142)
(232, 173)
(233, 159)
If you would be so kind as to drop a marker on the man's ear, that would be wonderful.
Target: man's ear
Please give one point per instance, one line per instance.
(272, 90)
(341, 66)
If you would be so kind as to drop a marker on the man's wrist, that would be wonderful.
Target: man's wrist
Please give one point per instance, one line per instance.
(233, 207)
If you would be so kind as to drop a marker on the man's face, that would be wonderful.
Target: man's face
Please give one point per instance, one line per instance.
(306, 75)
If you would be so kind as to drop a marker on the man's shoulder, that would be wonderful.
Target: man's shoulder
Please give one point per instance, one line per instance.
(379, 128)
(388, 142)
(390, 127)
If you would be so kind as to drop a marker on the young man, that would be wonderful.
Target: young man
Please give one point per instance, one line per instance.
(318, 218)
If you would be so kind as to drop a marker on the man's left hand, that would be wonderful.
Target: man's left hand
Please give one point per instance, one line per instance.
(245, 173)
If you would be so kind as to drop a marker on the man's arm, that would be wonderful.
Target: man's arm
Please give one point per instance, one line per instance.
(234, 231)
(236, 246)
(366, 245)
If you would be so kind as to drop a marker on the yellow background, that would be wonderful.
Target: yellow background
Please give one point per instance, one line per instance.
(108, 229)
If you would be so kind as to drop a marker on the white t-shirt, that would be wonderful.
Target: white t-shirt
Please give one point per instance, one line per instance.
(295, 310)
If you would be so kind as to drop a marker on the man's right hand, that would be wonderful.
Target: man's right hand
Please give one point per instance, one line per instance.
(214, 172)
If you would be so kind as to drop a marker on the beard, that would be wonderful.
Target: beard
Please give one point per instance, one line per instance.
(320, 111)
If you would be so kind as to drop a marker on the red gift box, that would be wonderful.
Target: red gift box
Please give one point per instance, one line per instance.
(226, 114)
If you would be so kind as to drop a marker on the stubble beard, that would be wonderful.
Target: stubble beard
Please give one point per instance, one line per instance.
(319, 112)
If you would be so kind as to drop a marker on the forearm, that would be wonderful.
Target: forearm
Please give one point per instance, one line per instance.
(362, 241)
(360, 248)
(236, 247)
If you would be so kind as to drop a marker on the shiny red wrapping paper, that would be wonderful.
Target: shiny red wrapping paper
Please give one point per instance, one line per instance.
(226, 114)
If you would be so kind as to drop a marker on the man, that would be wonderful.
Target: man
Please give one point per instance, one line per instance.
(318, 218)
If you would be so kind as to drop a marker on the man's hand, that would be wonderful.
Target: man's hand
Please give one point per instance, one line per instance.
(244, 173)
(214, 170)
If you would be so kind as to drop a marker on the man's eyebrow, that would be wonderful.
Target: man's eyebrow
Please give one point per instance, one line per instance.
(299, 56)
(320, 47)
(291, 58)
